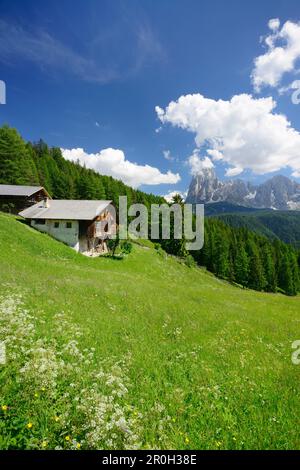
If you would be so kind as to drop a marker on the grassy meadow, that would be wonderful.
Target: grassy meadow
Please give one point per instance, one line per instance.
(143, 352)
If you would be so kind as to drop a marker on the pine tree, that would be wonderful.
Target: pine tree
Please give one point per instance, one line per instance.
(286, 282)
(256, 278)
(295, 272)
(269, 268)
(16, 163)
(241, 265)
(221, 256)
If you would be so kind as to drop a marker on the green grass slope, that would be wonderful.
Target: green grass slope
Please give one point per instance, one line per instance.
(142, 352)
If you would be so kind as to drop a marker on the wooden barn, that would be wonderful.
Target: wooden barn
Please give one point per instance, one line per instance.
(14, 198)
(83, 225)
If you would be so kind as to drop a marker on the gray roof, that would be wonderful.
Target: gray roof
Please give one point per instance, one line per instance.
(65, 210)
(16, 190)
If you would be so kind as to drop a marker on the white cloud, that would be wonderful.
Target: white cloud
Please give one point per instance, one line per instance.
(167, 155)
(197, 164)
(283, 51)
(243, 132)
(234, 171)
(274, 24)
(215, 154)
(112, 162)
(169, 196)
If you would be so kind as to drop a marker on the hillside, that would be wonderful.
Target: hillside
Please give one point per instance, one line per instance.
(282, 225)
(235, 255)
(218, 208)
(140, 352)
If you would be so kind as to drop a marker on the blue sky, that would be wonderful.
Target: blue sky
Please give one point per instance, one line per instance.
(89, 74)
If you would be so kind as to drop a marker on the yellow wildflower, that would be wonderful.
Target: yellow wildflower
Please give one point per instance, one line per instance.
(78, 445)
(56, 418)
(44, 444)
(187, 440)
(29, 425)
(36, 395)
(67, 438)
(4, 407)
(43, 389)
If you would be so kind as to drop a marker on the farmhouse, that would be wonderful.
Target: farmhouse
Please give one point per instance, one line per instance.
(83, 225)
(14, 198)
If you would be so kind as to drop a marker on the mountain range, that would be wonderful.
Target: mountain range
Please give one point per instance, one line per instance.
(279, 192)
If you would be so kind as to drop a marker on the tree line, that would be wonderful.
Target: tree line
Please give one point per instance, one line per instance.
(251, 260)
(27, 163)
(243, 257)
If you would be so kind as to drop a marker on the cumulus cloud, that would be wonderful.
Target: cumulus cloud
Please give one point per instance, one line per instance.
(244, 132)
(198, 164)
(274, 24)
(283, 51)
(112, 162)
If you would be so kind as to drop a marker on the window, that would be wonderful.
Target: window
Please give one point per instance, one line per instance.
(40, 221)
(69, 224)
(56, 224)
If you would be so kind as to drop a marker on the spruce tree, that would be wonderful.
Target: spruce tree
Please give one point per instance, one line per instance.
(241, 265)
(295, 272)
(286, 282)
(221, 255)
(16, 163)
(269, 268)
(256, 278)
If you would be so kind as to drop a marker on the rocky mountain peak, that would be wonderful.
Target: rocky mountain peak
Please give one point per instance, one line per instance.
(279, 192)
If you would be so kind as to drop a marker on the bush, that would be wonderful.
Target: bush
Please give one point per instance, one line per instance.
(189, 261)
(126, 247)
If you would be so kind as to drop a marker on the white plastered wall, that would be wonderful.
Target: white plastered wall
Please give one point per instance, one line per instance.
(61, 233)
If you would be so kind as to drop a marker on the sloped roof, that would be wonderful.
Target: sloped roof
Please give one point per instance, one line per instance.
(65, 210)
(17, 190)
